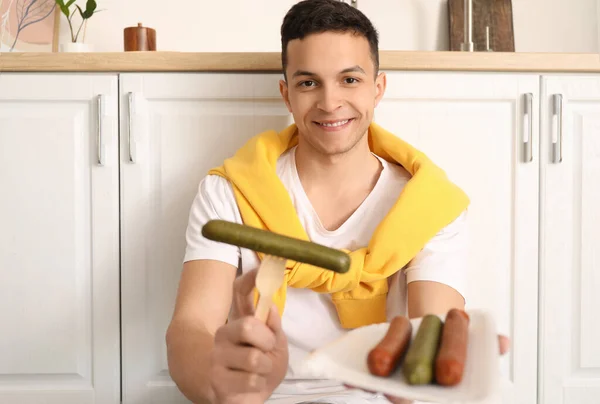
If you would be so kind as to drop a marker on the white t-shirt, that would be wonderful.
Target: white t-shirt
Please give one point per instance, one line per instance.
(309, 319)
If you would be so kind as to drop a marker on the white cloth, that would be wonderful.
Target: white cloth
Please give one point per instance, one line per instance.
(309, 319)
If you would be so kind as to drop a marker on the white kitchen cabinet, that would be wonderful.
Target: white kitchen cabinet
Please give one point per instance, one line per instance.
(59, 239)
(570, 240)
(179, 126)
(483, 130)
(83, 200)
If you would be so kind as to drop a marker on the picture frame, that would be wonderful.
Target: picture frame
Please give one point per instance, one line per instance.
(29, 26)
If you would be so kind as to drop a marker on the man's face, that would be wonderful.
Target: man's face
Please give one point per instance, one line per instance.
(331, 90)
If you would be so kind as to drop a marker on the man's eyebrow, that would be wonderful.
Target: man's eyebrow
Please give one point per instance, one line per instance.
(302, 73)
(352, 69)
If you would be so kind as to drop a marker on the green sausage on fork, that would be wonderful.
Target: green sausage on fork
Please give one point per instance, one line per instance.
(278, 245)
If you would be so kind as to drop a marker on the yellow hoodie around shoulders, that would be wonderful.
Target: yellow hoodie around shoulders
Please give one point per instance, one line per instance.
(428, 203)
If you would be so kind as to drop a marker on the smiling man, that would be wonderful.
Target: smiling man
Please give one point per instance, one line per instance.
(333, 177)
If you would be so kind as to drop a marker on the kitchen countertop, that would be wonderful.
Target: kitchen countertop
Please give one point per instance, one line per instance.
(162, 61)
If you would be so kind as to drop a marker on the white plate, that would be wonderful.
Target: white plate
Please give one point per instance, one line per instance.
(345, 359)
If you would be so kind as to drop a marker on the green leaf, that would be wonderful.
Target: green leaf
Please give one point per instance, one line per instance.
(90, 7)
(70, 3)
(63, 7)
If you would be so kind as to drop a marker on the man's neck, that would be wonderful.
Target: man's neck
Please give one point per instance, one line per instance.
(355, 166)
(337, 185)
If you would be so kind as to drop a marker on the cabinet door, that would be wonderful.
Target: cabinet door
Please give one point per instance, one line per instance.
(180, 126)
(481, 129)
(59, 239)
(570, 240)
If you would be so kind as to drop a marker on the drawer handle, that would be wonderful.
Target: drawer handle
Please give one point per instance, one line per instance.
(131, 143)
(528, 128)
(100, 139)
(557, 123)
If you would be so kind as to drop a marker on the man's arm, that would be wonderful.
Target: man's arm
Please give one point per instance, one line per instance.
(437, 276)
(427, 297)
(202, 306)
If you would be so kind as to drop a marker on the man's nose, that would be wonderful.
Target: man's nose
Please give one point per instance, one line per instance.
(330, 99)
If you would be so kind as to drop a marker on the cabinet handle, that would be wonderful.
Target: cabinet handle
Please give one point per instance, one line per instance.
(557, 128)
(100, 139)
(528, 130)
(131, 145)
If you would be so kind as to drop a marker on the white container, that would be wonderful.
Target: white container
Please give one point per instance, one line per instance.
(345, 360)
(76, 47)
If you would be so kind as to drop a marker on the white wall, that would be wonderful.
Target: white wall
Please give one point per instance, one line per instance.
(253, 25)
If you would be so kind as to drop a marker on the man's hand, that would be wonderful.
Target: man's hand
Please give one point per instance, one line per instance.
(249, 358)
(503, 345)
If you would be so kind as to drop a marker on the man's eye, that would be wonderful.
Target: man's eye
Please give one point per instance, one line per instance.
(307, 83)
(350, 80)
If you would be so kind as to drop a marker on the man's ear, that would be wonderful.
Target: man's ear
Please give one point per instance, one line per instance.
(283, 89)
(380, 85)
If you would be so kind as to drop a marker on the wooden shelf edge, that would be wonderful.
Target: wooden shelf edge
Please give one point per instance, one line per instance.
(162, 61)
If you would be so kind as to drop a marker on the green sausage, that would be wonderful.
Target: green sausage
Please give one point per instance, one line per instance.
(418, 366)
(276, 244)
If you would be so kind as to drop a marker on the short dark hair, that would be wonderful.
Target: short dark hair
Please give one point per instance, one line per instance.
(317, 16)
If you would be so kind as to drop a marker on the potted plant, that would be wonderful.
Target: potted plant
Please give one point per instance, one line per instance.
(77, 43)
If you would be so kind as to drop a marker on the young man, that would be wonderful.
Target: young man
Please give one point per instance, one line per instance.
(337, 179)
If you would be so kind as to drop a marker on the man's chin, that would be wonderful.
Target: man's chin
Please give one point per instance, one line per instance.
(335, 148)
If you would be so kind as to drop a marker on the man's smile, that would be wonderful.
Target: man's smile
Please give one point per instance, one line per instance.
(334, 124)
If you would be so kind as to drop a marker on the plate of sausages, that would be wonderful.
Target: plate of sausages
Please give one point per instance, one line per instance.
(442, 359)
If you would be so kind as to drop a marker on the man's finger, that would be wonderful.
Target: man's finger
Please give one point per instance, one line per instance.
(274, 321)
(247, 359)
(251, 331)
(504, 344)
(236, 381)
(243, 294)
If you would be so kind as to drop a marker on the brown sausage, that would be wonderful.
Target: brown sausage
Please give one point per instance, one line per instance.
(452, 353)
(384, 357)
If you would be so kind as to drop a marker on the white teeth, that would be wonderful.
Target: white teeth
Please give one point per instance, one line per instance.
(332, 125)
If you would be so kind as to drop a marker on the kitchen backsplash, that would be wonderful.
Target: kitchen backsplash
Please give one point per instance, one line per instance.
(244, 25)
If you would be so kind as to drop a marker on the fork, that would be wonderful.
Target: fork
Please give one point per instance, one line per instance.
(268, 279)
